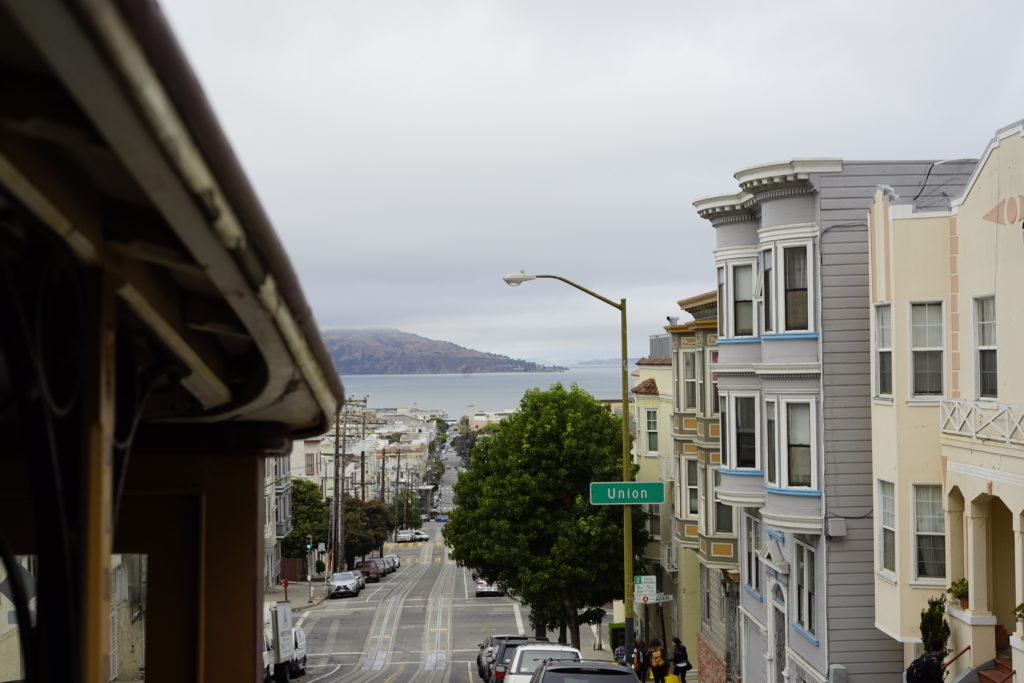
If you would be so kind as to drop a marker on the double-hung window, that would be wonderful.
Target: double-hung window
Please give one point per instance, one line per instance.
(651, 422)
(721, 302)
(799, 439)
(926, 340)
(723, 512)
(742, 301)
(770, 438)
(714, 386)
(752, 566)
(887, 535)
(691, 371)
(745, 431)
(795, 279)
(702, 494)
(929, 532)
(985, 334)
(692, 488)
(766, 290)
(883, 350)
(805, 588)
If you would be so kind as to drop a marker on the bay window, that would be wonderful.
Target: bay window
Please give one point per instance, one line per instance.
(745, 419)
(771, 457)
(752, 565)
(795, 279)
(692, 488)
(887, 521)
(723, 512)
(766, 289)
(742, 301)
(929, 532)
(798, 440)
(805, 588)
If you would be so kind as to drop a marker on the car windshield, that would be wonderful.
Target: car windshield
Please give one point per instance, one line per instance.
(529, 659)
(343, 576)
(587, 676)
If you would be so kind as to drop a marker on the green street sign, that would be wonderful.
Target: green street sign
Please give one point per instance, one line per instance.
(626, 492)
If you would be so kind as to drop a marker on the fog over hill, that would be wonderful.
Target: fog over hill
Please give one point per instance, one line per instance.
(393, 352)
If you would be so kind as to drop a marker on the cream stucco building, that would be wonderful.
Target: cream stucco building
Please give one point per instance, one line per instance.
(948, 402)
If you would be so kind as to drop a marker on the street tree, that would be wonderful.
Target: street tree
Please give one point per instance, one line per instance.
(522, 514)
(367, 525)
(406, 510)
(310, 516)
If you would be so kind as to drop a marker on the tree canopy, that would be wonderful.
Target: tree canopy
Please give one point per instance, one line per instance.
(367, 525)
(522, 514)
(311, 515)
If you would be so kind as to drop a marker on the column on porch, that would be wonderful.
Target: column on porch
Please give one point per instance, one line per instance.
(955, 532)
(978, 558)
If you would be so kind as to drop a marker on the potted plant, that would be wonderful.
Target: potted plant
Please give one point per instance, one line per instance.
(1018, 612)
(958, 589)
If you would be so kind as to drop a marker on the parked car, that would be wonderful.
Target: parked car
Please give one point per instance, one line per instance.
(441, 518)
(502, 656)
(420, 535)
(297, 667)
(344, 583)
(396, 559)
(484, 588)
(403, 536)
(389, 560)
(385, 568)
(528, 658)
(371, 572)
(583, 672)
(487, 649)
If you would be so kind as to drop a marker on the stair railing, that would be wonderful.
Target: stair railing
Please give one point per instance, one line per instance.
(958, 656)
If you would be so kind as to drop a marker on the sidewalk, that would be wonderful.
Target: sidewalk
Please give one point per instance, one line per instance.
(298, 595)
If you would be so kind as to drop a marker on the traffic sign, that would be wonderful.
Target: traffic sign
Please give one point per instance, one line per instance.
(626, 492)
(644, 587)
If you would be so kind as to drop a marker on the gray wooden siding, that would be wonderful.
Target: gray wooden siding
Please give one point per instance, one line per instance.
(845, 198)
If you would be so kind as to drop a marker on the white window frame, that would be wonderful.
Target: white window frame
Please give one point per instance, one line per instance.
(694, 358)
(702, 498)
(935, 487)
(912, 349)
(979, 347)
(692, 488)
(886, 523)
(806, 583)
(714, 397)
(733, 462)
(730, 283)
(773, 475)
(717, 506)
(764, 289)
(780, 285)
(782, 426)
(882, 346)
(752, 560)
(648, 432)
(723, 308)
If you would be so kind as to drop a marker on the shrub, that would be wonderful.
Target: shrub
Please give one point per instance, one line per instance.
(933, 623)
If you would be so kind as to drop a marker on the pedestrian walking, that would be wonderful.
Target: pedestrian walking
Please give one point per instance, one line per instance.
(659, 661)
(680, 660)
(641, 662)
(620, 653)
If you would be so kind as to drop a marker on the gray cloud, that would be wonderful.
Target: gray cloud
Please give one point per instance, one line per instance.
(410, 153)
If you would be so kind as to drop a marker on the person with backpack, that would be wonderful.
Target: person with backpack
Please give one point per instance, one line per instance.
(928, 667)
(659, 661)
(641, 662)
(620, 653)
(680, 660)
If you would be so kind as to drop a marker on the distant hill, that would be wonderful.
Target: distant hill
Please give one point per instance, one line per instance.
(392, 352)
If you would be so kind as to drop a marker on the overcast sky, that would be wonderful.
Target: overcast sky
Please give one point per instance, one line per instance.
(411, 153)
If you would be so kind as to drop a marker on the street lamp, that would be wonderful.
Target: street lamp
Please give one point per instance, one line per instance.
(516, 279)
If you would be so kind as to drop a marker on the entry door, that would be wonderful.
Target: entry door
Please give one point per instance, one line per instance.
(780, 632)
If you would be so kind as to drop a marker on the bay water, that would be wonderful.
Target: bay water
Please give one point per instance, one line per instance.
(468, 393)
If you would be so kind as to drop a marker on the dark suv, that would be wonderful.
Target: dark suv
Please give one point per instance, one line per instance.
(487, 649)
(370, 570)
(562, 671)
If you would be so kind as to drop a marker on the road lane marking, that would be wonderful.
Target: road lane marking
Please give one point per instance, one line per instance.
(519, 618)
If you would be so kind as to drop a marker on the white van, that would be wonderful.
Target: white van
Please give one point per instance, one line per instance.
(297, 667)
(403, 536)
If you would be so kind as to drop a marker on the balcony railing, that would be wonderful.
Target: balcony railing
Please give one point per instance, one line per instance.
(983, 420)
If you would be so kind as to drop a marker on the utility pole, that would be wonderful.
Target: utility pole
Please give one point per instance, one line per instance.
(340, 449)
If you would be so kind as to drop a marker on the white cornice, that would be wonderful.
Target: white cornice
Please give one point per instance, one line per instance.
(786, 171)
(985, 473)
(788, 232)
(723, 203)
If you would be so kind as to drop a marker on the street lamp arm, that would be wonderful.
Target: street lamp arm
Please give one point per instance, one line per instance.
(516, 279)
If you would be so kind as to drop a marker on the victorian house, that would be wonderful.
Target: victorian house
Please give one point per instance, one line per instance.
(794, 404)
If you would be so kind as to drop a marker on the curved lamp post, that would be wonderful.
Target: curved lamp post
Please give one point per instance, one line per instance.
(516, 279)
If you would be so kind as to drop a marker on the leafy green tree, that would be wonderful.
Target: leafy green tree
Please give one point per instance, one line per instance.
(311, 515)
(367, 525)
(933, 623)
(522, 514)
(406, 510)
